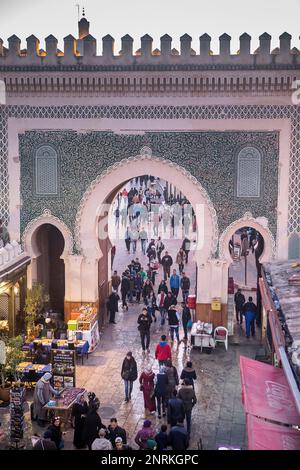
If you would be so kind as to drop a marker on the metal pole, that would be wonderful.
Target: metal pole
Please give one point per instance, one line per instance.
(245, 269)
(290, 377)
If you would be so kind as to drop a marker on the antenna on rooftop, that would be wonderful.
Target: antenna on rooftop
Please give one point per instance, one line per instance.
(78, 9)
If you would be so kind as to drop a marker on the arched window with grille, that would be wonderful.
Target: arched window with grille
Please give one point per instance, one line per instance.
(46, 180)
(248, 173)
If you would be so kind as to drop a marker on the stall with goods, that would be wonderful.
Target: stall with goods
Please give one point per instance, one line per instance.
(84, 324)
(62, 406)
(63, 368)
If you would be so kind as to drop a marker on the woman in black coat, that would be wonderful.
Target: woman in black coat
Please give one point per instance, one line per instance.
(129, 374)
(92, 425)
(189, 373)
(79, 411)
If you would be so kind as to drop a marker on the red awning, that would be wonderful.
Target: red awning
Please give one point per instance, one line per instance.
(266, 392)
(268, 436)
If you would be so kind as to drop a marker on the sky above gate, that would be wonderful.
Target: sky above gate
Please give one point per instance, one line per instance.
(155, 17)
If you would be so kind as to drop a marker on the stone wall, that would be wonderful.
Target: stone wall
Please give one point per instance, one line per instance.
(210, 156)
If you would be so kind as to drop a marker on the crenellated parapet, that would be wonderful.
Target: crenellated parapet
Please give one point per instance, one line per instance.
(82, 52)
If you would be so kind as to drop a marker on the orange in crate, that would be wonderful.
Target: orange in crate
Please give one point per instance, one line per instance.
(74, 315)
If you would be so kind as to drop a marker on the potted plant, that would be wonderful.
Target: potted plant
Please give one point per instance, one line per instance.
(8, 371)
(34, 303)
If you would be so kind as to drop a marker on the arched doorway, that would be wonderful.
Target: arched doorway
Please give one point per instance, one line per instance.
(96, 202)
(50, 267)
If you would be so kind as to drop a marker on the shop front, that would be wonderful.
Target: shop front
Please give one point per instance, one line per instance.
(13, 283)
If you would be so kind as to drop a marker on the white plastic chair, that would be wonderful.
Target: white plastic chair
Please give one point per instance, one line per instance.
(221, 338)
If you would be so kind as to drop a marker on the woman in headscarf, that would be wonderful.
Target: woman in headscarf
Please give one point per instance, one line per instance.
(41, 396)
(92, 424)
(147, 432)
(147, 386)
(79, 411)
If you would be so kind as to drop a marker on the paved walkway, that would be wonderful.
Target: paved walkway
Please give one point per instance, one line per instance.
(218, 417)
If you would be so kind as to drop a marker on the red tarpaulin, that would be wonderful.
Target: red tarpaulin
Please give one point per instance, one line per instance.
(268, 436)
(266, 392)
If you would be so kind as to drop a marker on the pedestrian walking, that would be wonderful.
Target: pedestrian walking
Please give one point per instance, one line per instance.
(159, 249)
(113, 306)
(186, 317)
(115, 281)
(186, 246)
(161, 391)
(101, 442)
(170, 300)
(147, 291)
(166, 262)
(163, 351)
(125, 288)
(173, 379)
(185, 285)
(187, 395)
(239, 300)
(147, 432)
(250, 312)
(161, 306)
(188, 372)
(147, 387)
(92, 424)
(173, 323)
(143, 237)
(127, 240)
(144, 321)
(138, 287)
(115, 431)
(79, 411)
(162, 438)
(175, 283)
(180, 260)
(129, 374)
(175, 409)
(179, 437)
(162, 287)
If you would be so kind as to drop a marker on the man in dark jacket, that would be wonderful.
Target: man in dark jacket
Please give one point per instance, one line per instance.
(239, 300)
(250, 312)
(114, 431)
(185, 285)
(125, 288)
(178, 437)
(166, 262)
(175, 409)
(187, 395)
(113, 306)
(173, 323)
(144, 321)
(185, 318)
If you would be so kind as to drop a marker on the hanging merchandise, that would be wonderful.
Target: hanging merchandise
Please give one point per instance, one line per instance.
(17, 399)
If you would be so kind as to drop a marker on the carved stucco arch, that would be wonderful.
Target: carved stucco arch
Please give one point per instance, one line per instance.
(29, 235)
(261, 225)
(126, 169)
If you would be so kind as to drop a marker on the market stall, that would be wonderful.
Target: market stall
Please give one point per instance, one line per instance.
(80, 346)
(29, 372)
(62, 406)
(84, 322)
(202, 336)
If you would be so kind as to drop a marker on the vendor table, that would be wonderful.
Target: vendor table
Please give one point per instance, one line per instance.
(64, 403)
(81, 347)
(202, 335)
(39, 370)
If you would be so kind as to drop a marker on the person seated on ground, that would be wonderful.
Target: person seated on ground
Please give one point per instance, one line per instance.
(54, 433)
(101, 442)
(120, 445)
(114, 431)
